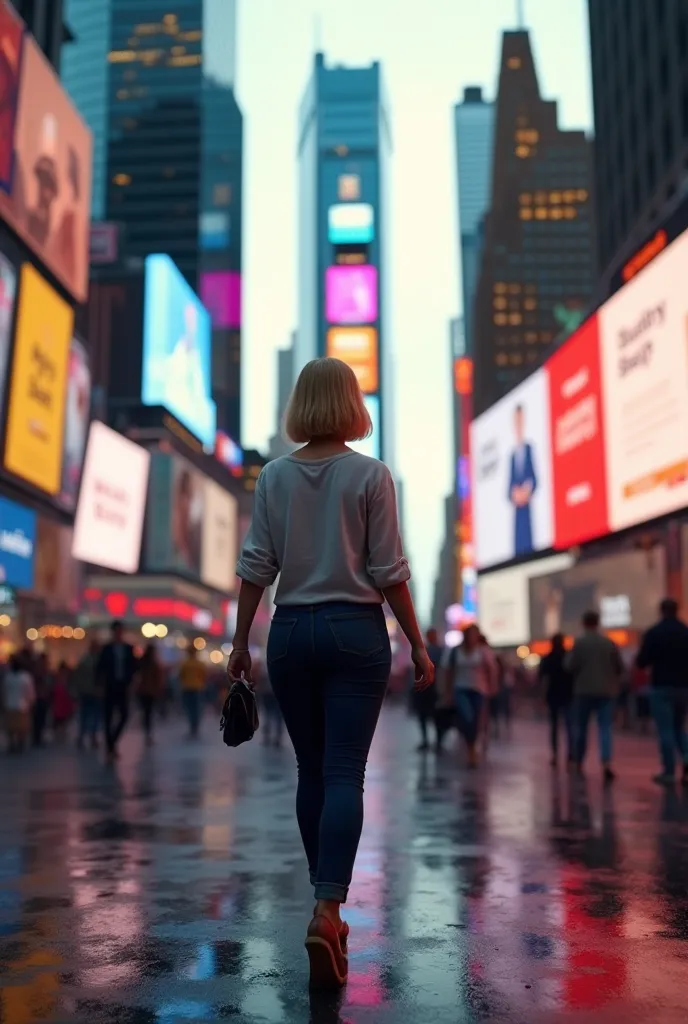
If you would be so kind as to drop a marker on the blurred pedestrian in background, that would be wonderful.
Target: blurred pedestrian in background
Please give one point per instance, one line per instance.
(192, 678)
(18, 698)
(150, 687)
(555, 674)
(116, 668)
(272, 722)
(89, 696)
(62, 702)
(424, 702)
(43, 682)
(501, 702)
(664, 651)
(597, 668)
(469, 672)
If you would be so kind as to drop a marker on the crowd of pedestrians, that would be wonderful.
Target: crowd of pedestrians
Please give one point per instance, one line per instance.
(92, 701)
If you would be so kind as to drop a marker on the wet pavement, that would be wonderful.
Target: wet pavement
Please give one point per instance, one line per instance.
(173, 888)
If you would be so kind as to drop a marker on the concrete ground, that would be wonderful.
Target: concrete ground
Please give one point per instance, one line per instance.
(173, 888)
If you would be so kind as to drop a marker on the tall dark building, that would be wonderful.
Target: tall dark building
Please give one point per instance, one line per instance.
(155, 83)
(44, 19)
(639, 52)
(538, 261)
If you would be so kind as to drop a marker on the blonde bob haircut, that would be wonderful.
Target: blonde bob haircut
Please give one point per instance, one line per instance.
(327, 403)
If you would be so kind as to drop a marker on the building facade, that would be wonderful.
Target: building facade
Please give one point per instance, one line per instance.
(156, 87)
(538, 263)
(45, 21)
(343, 151)
(474, 135)
(639, 57)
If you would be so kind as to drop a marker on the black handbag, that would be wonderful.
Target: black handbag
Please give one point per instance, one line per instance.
(239, 721)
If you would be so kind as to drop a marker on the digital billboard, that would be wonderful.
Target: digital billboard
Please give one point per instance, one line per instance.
(35, 421)
(8, 292)
(77, 416)
(370, 445)
(220, 538)
(221, 295)
(503, 601)
(351, 294)
(176, 513)
(11, 45)
(50, 201)
(578, 449)
(17, 544)
(349, 223)
(644, 341)
(357, 347)
(177, 349)
(112, 501)
(512, 475)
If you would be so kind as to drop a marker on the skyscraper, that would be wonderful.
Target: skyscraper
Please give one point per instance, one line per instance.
(343, 150)
(44, 19)
(639, 53)
(474, 133)
(155, 84)
(538, 263)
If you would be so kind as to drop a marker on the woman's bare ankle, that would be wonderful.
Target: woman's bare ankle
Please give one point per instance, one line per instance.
(328, 909)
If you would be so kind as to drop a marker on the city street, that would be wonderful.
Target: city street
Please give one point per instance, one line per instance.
(173, 888)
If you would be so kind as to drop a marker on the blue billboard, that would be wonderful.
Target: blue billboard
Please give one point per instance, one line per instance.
(349, 223)
(177, 349)
(17, 544)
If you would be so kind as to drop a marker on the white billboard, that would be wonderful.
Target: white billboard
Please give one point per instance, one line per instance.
(503, 601)
(644, 345)
(220, 538)
(512, 475)
(112, 501)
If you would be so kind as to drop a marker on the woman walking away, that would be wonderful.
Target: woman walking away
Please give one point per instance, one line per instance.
(325, 520)
(150, 684)
(559, 696)
(19, 697)
(469, 675)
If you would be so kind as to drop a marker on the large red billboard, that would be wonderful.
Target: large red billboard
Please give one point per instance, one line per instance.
(578, 459)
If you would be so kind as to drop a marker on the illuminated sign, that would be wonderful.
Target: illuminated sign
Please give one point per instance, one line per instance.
(645, 255)
(357, 347)
(463, 376)
(349, 187)
(351, 222)
(351, 295)
(117, 604)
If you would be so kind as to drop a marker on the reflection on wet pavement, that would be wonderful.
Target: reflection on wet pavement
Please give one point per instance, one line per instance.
(173, 889)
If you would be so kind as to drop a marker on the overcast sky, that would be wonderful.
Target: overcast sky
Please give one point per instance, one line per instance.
(429, 52)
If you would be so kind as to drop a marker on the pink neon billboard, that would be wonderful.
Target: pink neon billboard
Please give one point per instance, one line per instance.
(221, 296)
(351, 294)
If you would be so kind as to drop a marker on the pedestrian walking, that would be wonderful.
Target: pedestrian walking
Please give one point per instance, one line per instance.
(18, 699)
(554, 672)
(664, 651)
(62, 702)
(89, 696)
(469, 671)
(272, 722)
(192, 679)
(43, 683)
(597, 668)
(116, 668)
(150, 686)
(424, 702)
(325, 520)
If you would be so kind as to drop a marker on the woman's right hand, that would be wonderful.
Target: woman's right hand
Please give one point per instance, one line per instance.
(425, 670)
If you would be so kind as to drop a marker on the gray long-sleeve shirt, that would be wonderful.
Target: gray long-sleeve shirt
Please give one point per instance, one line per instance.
(328, 527)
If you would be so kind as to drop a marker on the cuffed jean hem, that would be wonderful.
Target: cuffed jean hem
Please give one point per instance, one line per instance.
(331, 891)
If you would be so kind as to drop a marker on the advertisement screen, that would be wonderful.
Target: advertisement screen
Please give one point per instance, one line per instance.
(11, 40)
(220, 540)
(503, 601)
(350, 223)
(221, 295)
(578, 452)
(370, 445)
(356, 346)
(8, 292)
(57, 576)
(626, 588)
(644, 340)
(35, 421)
(50, 201)
(351, 295)
(77, 416)
(177, 349)
(512, 475)
(17, 544)
(112, 501)
(176, 512)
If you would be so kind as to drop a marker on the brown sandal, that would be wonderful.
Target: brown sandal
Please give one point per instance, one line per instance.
(326, 948)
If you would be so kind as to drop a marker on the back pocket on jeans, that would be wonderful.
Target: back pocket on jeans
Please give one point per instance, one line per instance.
(278, 638)
(356, 633)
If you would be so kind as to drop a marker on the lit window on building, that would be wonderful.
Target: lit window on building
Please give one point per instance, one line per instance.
(514, 289)
(556, 213)
(530, 304)
(570, 196)
(513, 63)
(525, 198)
(522, 152)
(500, 319)
(540, 213)
(499, 303)
(341, 150)
(515, 319)
(570, 212)
(499, 288)
(122, 179)
(121, 56)
(582, 195)
(555, 198)
(501, 359)
(526, 213)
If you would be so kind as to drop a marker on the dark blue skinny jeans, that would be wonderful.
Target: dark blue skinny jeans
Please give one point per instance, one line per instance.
(329, 666)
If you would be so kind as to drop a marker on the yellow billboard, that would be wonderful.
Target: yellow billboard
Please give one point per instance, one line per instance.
(356, 346)
(33, 446)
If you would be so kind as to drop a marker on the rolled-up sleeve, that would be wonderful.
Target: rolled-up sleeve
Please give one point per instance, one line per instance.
(258, 562)
(386, 563)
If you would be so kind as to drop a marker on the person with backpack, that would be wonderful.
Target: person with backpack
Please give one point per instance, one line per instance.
(470, 674)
